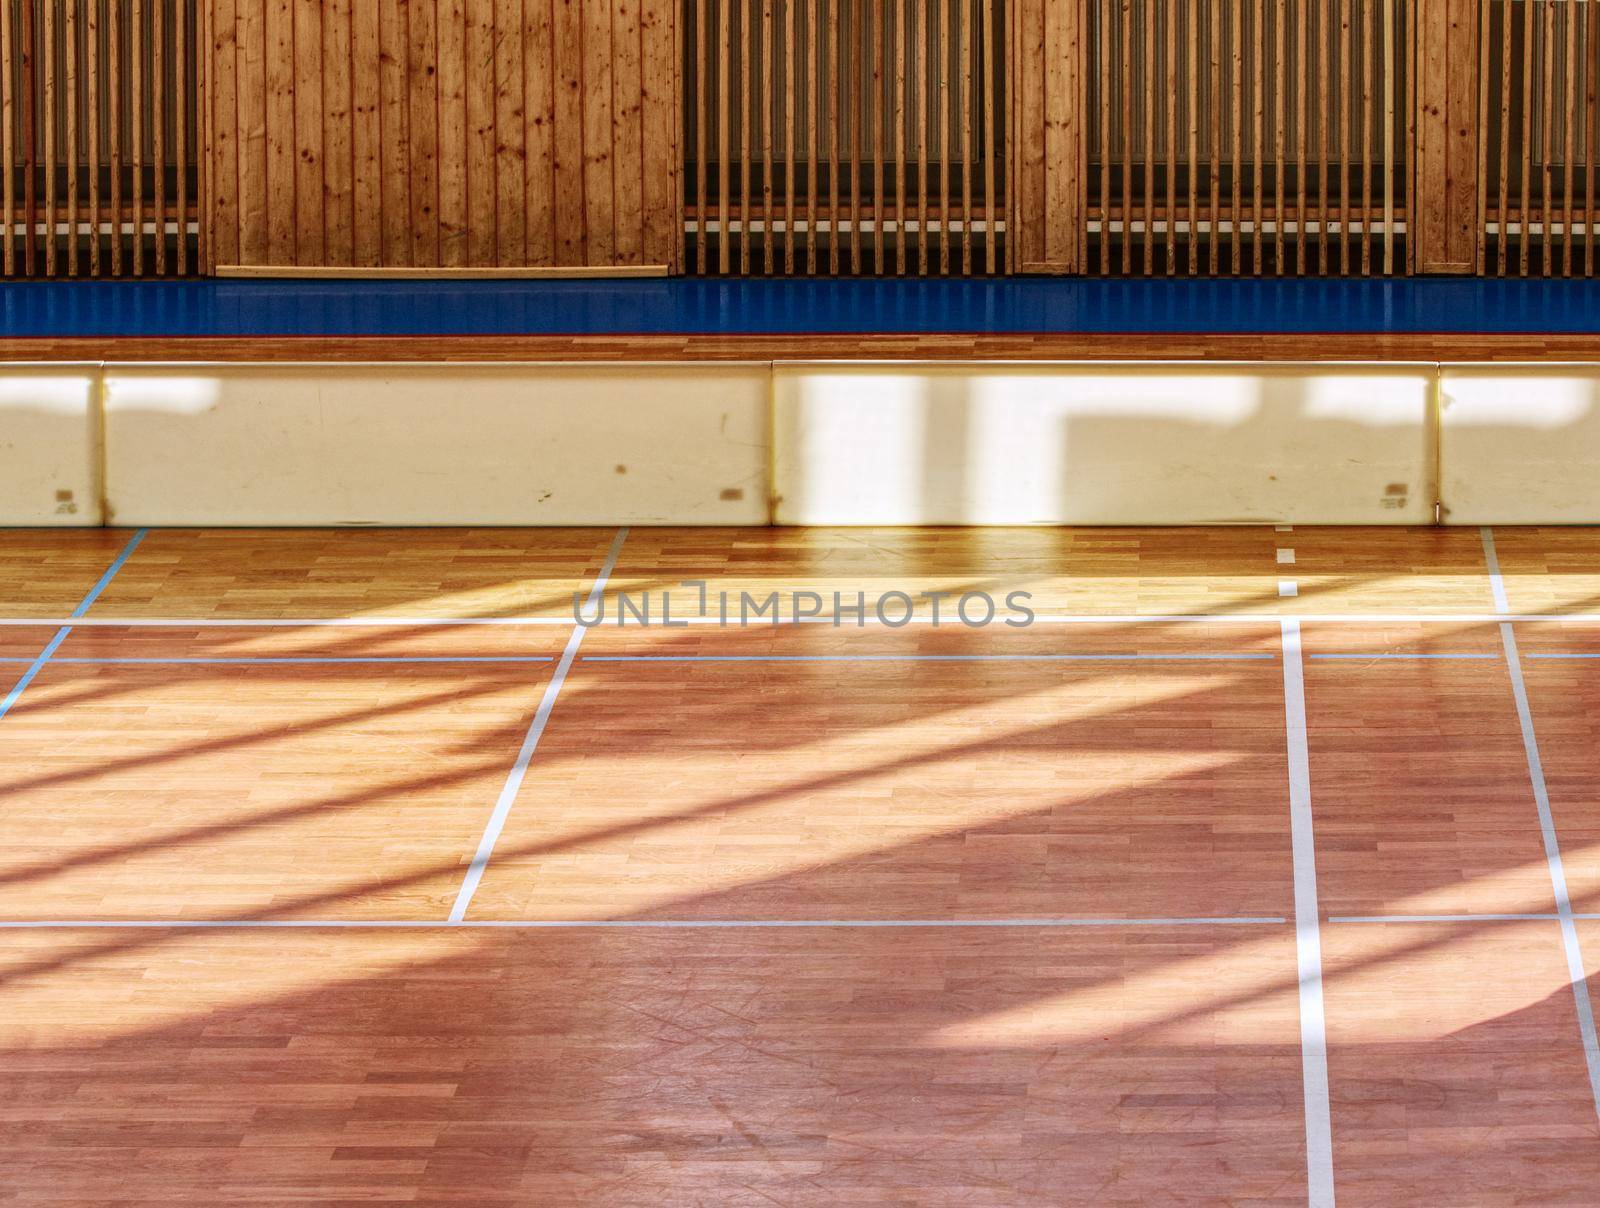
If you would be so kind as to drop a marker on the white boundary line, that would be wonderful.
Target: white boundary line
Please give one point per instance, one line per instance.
(1552, 846)
(926, 658)
(530, 741)
(624, 924)
(68, 623)
(1307, 932)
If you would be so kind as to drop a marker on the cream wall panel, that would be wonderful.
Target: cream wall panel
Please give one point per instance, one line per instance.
(1520, 444)
(1098, 444)
(48, 445)
(404, 444)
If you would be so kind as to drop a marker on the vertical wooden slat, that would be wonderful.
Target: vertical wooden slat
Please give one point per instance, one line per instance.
(158, 130)
(510, 135)
(813, 123)
(338, 193)
(964, 17)
(1105, 37)
(1525, 207)
(1214, 132)
(598, 104)
(69, 144)
(661, 131)
(746, 45)
(791, 188)
(69, 106)
(1192, 18)
(990, 210)
(1173, 92)
(180, 138)
(27, 71)
(91, 107)
(1326, 117)
(943, 43)
(1591, 74)
(567, 169)
(1364, 52)
(540, 84)
(280, 168)
(901, 174)
(625, 139)
(1125, 142)
(466, 168)
(876, 109)
(1388, 68)
(8, 148)
(851, 78)
(702, 132)
(1571, 90)
(47, 99)
(366, 174)
(1147, 18)
(423, 47)
(225, 128)
(394, 142)
(1302, 132)
(1547, 140)
(920, 125)
(1236, 91)
(306, 132)
(1258, 14)
(1280, 96)
(724, 133)
(768, 98)
(1503, 211)
(1346, 103)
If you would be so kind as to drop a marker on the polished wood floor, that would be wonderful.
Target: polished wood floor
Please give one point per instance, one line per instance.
(341, 867)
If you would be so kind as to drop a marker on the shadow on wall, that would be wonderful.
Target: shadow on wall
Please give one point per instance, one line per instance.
(1095, 444)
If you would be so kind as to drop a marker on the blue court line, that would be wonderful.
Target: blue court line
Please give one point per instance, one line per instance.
(84, 605)
(1562, 655)
(914, 658)
(1404, 656)
(621, 924)
(1448, 918)
(296, 659)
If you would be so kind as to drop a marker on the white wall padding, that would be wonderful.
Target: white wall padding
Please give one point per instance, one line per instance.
(1103, 444)
(48, 445)
(1520, 444)
(424, 444)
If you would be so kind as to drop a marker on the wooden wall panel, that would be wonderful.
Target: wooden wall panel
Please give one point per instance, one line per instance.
(443, 134)
(1048, 201)
(1448, 220)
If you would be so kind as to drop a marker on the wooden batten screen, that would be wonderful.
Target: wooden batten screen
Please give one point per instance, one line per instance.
(444, 134)
(844, 136)
(1247, 137)
(1541, 72)
(98, 134)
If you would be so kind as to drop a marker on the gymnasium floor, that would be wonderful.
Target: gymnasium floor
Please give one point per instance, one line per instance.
(341, 867)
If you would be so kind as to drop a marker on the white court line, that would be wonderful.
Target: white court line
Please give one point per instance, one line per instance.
(1286, 557)
(530, 741)
(1547, 825)
(1307, 933)
(627, 924)
(872, 622)
(37, 664)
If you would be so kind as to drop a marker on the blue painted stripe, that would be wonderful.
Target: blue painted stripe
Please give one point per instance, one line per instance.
(920, 658)
(54, 644)
(1018, 305)
(265, 661)
(117, 564)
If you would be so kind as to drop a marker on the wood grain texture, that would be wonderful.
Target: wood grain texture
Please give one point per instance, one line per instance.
(597, 1069)
(1448, 224)
(446, 133)
(1473, 348)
